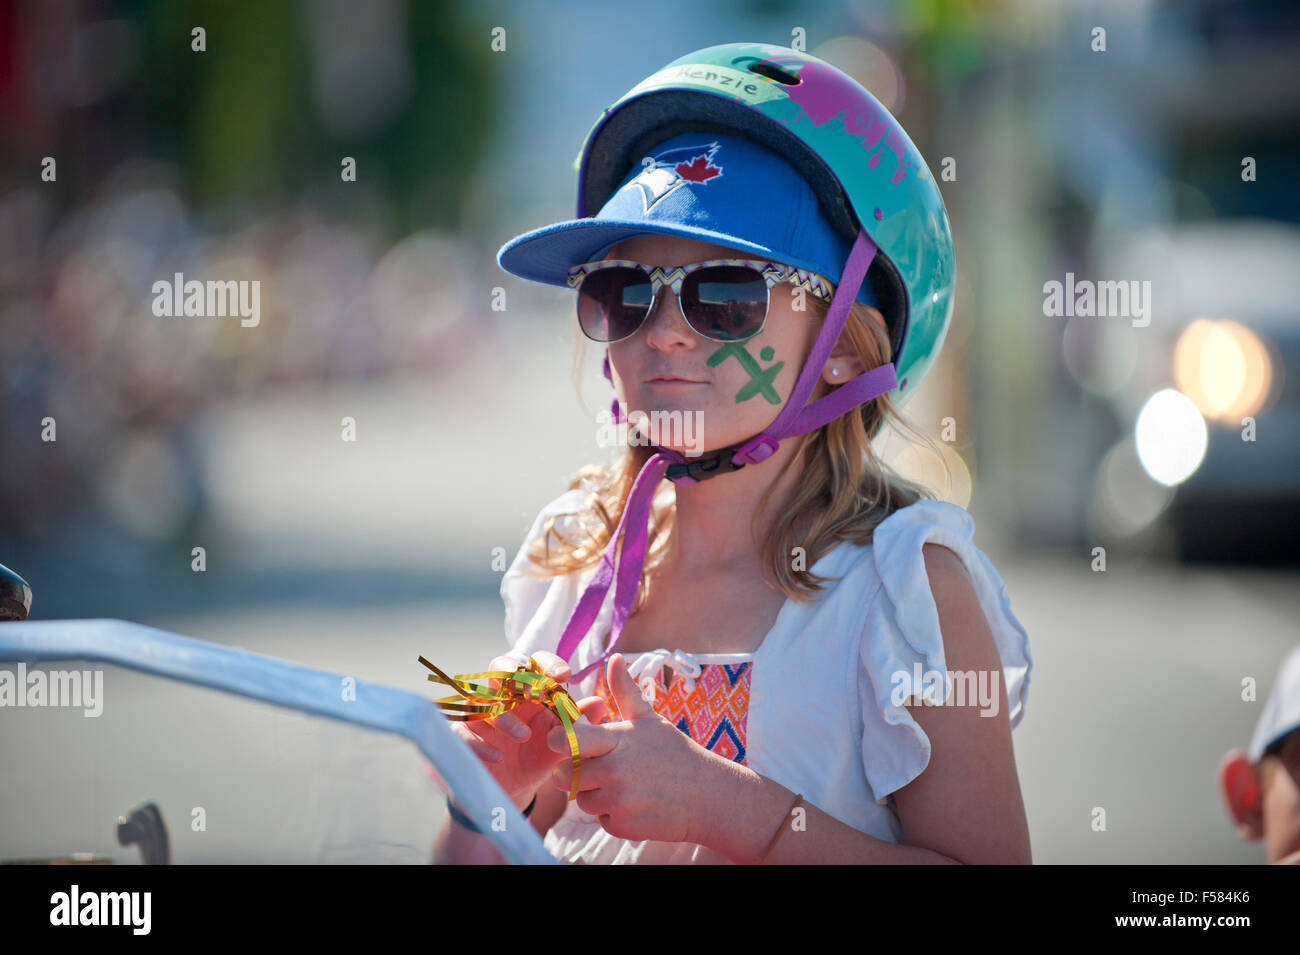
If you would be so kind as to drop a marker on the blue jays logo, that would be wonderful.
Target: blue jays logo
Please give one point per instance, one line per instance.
(666, 172)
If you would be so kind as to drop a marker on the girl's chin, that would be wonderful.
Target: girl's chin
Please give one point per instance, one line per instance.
(688, 426)
(686, 439)
(673, 398)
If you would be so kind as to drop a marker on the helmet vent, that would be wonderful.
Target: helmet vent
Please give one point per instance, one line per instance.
(774, 73)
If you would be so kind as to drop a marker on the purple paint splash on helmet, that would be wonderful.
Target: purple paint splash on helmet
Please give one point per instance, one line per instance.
(822, 94)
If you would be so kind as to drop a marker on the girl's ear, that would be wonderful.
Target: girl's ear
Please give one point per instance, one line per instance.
(878, 318)
(842, 365)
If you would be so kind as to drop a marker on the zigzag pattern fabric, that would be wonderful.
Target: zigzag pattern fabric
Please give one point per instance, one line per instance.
(772, 273)
(713, 714)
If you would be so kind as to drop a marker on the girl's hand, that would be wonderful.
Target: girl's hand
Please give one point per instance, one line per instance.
(642, 777)
(512, 745)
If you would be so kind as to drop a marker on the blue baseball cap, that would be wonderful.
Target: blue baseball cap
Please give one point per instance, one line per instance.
(1280, 716)
(712, 187)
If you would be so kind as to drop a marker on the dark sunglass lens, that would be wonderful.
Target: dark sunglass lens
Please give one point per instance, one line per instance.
(725, 302)
(613, 302)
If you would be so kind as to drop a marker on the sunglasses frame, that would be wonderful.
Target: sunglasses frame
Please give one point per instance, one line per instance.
(674, 275)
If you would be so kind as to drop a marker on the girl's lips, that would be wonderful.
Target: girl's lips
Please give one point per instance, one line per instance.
(671, 380)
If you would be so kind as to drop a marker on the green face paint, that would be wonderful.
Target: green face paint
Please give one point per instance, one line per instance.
(760, 378)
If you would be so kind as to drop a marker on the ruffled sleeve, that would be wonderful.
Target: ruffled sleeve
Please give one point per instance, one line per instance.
(532, 603)
(902, 638)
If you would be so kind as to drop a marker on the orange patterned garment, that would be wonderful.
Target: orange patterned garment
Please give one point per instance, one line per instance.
(713, 713)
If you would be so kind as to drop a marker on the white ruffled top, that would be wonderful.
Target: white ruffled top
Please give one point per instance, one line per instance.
(848, 748)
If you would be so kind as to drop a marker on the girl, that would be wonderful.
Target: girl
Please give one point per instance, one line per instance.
(789, 655)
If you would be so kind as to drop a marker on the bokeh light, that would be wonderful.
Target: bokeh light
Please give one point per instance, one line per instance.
(1171, 437)
(1125, 500)
(1224, 368)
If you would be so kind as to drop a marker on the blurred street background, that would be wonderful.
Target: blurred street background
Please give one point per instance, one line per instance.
(1167, 157)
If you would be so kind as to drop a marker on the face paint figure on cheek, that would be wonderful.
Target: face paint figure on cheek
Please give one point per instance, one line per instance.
(761, 380)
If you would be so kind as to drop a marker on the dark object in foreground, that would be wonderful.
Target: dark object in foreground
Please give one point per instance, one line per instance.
(145, 828)
(15, 595)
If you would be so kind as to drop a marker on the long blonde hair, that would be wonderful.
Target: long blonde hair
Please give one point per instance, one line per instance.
(845, 492)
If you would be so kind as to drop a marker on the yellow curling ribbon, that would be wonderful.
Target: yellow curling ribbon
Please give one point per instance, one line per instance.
(528, 684)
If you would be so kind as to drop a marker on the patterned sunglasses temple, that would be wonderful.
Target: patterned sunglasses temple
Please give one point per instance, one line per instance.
(673, 276)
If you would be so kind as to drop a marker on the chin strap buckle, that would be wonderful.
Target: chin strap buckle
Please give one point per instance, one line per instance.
(756, 449)
(723, 461)
(702, 468)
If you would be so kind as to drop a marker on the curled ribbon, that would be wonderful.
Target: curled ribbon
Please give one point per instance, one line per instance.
(528, 684)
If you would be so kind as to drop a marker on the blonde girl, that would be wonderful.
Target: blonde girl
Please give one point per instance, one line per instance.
(783, 652)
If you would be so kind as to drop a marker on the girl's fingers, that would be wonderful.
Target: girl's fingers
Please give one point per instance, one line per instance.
(504, 729)
(486, 751)
(477, 743)
(594, 802)
(553, 666)
(595, 709)
(501, 663)
(512, 725)
(493, 733)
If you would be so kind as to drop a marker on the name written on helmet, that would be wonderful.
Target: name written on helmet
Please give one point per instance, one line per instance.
(740, 83)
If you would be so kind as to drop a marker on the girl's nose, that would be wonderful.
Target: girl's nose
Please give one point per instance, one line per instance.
(665, 326)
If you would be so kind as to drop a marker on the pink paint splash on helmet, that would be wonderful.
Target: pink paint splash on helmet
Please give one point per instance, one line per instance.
(823, 95)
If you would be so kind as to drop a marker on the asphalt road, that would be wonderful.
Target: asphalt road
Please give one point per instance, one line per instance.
(1134, 698)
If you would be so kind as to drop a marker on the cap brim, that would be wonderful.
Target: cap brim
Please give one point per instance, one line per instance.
(1281, 714)
(546, 255)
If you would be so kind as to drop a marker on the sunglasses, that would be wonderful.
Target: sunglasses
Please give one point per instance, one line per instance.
(724, 300)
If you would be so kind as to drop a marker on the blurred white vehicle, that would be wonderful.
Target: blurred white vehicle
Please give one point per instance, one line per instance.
(1206, 392)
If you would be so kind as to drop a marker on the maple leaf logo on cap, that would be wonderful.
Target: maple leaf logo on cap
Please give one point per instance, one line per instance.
(671, 169)
(700, 169)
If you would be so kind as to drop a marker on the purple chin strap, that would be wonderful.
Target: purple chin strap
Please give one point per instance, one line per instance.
(796, 418)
